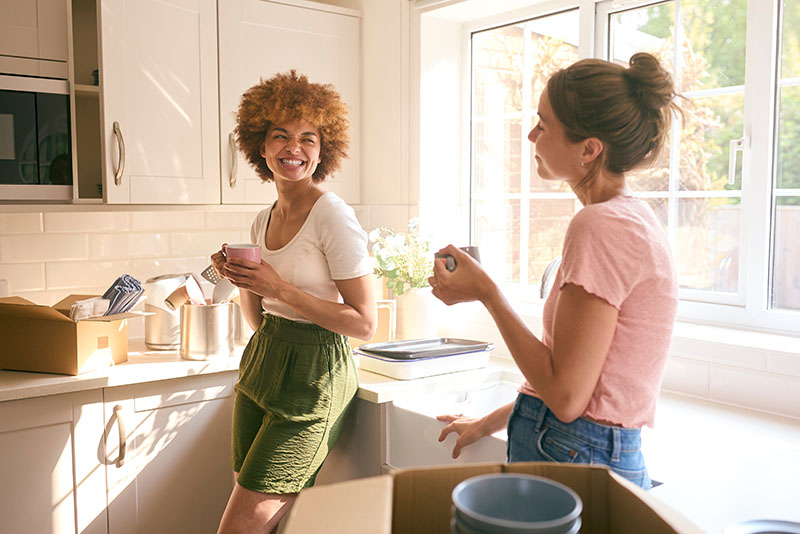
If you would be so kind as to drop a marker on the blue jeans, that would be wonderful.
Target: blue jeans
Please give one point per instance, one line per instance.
(536, 435)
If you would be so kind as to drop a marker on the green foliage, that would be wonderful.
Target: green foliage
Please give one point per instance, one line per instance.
(404, 259)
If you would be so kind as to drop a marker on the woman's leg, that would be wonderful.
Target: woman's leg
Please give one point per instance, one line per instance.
(251, 512)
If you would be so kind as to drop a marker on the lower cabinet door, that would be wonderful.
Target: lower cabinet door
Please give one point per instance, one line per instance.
(167, 454)
(36, 465)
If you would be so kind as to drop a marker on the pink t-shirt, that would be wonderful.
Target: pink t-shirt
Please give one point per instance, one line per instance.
(618, 251)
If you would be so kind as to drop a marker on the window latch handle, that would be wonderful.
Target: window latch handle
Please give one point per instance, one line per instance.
(735, 146)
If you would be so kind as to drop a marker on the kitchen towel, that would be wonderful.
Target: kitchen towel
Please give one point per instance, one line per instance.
(123, 294)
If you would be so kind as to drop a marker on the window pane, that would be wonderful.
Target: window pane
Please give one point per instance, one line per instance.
(497, 144)
(648, 29)
(660, 207)
(510, 66)
(498, 236)
(707, 243)
(553, 45)
(711, 124)
(714, 31)
(546, 228)
(788, 162)
(786, 286)
(497, 70)
(790, 42)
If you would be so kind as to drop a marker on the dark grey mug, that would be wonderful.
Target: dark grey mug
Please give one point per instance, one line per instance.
(451, 261)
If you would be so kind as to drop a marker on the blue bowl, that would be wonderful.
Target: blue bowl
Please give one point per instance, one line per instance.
(511, 503)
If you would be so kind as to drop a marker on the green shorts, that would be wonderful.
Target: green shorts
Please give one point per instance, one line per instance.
(296, 382)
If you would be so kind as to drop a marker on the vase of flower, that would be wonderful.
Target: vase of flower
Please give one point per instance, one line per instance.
(404, 259)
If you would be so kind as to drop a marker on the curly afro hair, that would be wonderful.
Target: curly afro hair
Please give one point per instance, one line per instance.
(290, 97)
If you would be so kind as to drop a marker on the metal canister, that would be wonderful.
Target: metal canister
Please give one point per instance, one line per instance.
(207, 331)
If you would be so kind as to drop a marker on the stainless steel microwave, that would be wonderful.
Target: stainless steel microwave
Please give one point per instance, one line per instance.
(35, 139)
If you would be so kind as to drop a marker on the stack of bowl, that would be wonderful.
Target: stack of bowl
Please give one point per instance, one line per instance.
(510, 503)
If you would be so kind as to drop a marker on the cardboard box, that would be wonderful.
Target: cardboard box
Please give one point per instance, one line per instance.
(44, 339)
(418, 501)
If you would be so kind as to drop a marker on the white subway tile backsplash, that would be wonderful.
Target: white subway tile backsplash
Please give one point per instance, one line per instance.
(738, 356)
(363, 216)
(163, 221)
(202, 243)
(761, 391)
(144, 269)
(43, 247)
(784, 364)
(84, 274)
(388, 216)
(685, 376)
(23, 276)
(128, 245)
(106, 221)
(232, 220)
(20, 223)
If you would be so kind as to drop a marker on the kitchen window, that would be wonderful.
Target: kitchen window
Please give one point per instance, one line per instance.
(727, 190)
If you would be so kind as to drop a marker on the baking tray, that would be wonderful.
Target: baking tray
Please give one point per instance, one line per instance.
(416, 349)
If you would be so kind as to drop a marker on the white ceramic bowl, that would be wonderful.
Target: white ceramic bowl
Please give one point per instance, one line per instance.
(511, 503)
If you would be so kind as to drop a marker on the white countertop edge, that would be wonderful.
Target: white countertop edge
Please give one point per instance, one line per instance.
(143, 366)
(146, 365)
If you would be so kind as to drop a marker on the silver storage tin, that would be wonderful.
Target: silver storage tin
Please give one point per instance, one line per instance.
(207, 331)
(162, 330)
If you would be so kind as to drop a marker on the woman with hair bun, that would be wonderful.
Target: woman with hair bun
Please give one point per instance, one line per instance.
(312, 288)
(593, 378)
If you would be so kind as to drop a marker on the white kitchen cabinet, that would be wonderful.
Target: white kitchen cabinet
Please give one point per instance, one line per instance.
(48, 466)
(361, 449)
(33, 38)
(155, 111)
(63, 469)
(259, 38)
(168, 454)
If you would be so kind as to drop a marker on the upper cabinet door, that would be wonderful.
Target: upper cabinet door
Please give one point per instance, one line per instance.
(258, 39)
(158, 72)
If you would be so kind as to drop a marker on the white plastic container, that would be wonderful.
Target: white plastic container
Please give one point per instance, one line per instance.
(422, 367)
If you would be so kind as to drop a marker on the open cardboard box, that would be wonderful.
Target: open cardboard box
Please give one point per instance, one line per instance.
(418, 501)
(44, 339)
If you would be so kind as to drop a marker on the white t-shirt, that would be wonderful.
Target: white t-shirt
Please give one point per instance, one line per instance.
(331, 245)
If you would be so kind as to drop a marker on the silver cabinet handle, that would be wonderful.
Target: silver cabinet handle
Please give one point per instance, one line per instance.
(123, 444)
(121, 145)
(234, 159)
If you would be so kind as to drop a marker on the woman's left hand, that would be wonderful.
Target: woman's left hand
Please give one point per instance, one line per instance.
(258, 278)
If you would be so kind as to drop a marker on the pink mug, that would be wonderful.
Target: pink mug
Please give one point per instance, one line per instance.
(245, 251)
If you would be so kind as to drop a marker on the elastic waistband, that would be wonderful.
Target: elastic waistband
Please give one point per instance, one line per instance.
(612, 438)
(301, 333)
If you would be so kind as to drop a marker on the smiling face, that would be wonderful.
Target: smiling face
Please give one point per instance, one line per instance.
(291, 150)
(556, 157)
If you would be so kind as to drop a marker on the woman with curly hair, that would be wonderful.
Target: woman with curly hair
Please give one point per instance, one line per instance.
(312, 289)
(592, 378)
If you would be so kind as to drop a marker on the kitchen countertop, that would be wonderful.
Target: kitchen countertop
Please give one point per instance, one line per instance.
(145, 365)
